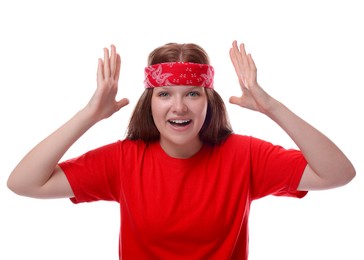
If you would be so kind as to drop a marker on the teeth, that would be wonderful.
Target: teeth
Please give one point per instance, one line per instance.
(179, 121)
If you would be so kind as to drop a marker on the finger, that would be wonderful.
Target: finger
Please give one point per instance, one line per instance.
(100, 70)
(118, 64)
(113, 58)
(234, 60)
(234, 100)
(251, 63)
(236, 55)
(253, 69)
(106, 63)
(242, 59)
(122, 103)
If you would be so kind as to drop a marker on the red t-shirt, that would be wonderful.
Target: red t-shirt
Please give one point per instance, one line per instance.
(195, 208)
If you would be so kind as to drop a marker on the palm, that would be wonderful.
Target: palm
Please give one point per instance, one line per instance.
(253, 96)
(103, 103)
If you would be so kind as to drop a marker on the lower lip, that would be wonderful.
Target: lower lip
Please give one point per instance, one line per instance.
(180, 128)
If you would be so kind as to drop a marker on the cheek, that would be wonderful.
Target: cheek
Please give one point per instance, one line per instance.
(203, 110)
(154, 110)
(152, 107)
(157, 111)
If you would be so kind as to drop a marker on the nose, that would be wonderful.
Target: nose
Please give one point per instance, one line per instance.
(179, 106)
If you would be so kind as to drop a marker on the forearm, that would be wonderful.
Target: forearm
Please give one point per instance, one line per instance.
(35, 169)
(323, 156)
(328, 167)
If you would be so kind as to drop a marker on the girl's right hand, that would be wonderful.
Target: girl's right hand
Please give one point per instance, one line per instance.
(103, 104)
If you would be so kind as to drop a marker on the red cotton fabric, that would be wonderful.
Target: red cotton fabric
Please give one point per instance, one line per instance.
(179, 73)
(195, 208)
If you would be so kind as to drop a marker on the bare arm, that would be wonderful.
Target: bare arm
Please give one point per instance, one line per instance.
(38, 174)
(328, 167)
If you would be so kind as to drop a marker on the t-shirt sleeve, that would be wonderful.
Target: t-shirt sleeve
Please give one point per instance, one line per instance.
(94, 175)
(275, 170)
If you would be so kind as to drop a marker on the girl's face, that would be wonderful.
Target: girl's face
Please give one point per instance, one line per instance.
(179, 113)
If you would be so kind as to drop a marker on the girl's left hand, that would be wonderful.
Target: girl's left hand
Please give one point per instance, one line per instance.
(253, 96)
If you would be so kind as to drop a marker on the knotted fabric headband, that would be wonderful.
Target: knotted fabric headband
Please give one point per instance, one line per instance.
(179, 73)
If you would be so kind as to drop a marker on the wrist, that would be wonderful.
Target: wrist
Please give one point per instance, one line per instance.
(275, 109)
(87, 117)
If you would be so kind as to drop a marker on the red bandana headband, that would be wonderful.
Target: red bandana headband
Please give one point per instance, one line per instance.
(179, 73)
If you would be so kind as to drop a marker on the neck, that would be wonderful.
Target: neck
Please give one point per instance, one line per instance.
(181, 151)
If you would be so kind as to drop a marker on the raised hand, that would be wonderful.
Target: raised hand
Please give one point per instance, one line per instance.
(38, 174)
(253, 96)
(103, 103)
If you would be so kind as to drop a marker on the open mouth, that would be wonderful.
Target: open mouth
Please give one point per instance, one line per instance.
(179, 123)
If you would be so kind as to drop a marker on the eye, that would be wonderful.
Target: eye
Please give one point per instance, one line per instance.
(163, 94)
(193, 94)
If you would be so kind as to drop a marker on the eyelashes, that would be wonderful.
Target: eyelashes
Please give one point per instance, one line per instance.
(191, 94)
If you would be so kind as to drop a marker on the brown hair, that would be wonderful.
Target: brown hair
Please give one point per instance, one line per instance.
(216, 127)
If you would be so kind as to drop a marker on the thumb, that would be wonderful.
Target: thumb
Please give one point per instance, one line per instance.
(122, 103)
(234, 100)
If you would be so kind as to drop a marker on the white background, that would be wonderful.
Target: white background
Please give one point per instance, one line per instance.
(309, 56)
